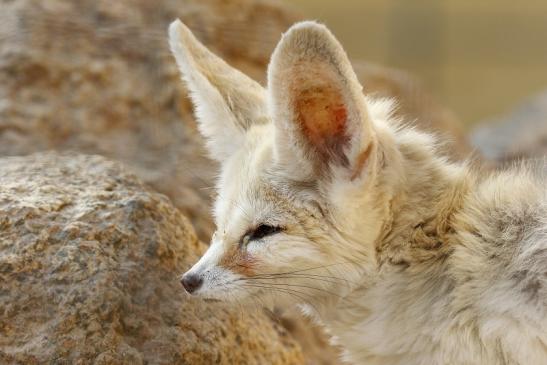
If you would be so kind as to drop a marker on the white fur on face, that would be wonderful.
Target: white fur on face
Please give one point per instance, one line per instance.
(309, 132)
(299, 265)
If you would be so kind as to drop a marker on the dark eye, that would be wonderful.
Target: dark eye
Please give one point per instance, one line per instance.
(262, 231)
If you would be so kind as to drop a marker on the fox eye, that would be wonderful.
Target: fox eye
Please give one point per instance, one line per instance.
(262, 231)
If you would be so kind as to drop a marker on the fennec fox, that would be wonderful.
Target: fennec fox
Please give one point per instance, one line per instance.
(326, 202)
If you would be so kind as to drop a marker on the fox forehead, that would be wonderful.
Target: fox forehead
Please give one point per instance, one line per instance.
(253, 189)
(243, 187)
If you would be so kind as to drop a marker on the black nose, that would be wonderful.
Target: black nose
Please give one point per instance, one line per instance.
(191, 282)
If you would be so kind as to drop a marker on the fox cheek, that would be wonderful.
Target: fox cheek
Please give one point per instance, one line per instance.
(239, 262)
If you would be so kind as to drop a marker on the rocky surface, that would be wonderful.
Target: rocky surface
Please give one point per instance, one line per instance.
(519, 135)
(89, 260)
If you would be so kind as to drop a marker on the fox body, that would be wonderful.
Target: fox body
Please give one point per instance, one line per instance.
(327, 202)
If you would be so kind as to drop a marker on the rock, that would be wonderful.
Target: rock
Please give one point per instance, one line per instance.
(89, 260)
(520, 135)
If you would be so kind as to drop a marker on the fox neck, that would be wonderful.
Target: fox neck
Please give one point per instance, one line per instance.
(423, 200)
(418, 194)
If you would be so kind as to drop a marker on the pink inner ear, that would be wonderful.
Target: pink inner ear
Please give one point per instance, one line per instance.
(322, 117)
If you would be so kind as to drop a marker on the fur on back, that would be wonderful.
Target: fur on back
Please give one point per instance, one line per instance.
(326, 202)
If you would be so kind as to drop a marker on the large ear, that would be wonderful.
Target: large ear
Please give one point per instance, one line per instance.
(226, 101)
(317, 104)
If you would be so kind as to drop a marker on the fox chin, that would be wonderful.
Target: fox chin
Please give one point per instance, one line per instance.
(327, 201)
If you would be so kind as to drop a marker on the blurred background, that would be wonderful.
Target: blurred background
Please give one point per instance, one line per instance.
(480, 58)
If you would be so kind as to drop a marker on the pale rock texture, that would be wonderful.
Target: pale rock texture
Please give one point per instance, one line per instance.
(89, 260)
(518, 135)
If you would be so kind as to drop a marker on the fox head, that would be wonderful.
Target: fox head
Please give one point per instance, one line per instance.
(299, 207)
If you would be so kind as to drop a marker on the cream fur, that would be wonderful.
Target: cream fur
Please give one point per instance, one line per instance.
(405, 257)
